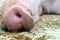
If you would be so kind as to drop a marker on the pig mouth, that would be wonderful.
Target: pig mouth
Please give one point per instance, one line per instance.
(21, 28)
(19, 18)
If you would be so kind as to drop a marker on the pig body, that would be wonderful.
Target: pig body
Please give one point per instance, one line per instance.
(51, 6)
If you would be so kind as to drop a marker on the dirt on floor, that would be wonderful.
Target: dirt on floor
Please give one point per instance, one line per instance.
(47, 28)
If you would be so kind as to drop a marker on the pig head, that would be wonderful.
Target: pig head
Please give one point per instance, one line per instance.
(17, 15)
(23, 14)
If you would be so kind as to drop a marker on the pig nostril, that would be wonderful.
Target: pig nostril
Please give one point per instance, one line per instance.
(18, 15)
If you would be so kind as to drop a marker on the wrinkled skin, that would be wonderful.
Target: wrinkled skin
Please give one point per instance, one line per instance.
(23, 14)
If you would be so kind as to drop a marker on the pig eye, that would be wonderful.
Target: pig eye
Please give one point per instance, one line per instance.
(18, 15)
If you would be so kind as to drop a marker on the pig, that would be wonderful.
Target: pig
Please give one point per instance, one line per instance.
(20, 14)
(23, 14)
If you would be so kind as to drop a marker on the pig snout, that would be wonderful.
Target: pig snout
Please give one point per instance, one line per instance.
(17, 18)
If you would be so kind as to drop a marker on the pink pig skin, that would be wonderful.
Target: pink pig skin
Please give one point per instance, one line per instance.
(20, 14)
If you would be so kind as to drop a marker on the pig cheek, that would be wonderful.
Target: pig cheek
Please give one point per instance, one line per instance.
(28, 22)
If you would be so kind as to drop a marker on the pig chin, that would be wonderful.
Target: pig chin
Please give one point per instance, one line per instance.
(17, 18)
